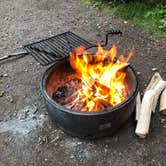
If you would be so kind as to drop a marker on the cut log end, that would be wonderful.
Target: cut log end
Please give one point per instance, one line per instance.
(154, 80)
(141, 135)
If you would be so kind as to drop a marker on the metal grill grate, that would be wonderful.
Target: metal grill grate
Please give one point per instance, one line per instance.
(55, 48)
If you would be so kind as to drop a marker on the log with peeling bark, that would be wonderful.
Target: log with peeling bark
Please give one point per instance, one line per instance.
(162, 109)
(154, 80)
(143, 123)
(158, 89)
(149, 102)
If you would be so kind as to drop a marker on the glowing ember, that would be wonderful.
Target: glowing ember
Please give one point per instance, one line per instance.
(103, 78)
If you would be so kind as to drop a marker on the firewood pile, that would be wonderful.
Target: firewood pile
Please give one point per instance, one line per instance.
(144, 108)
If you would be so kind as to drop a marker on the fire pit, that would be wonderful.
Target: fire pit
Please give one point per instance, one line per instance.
(88, 120)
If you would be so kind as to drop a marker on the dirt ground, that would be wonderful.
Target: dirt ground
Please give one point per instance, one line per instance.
(41, 143)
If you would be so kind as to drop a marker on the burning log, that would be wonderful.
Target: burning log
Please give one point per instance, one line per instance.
(70, 98)
(78, 106)
(75, 106)
(162, 109)
(149, 102)
(69, 105)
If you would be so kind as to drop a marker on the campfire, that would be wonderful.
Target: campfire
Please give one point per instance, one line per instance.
(90, 94)
(99, 80)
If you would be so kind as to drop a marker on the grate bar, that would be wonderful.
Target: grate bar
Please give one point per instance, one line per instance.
(41, 46)
(63, 43)
(37, 50)
(75, 42)
(37, 56)
(51, 54)
(78, 39)
(54, 52)
(55, 48)
(72, 42)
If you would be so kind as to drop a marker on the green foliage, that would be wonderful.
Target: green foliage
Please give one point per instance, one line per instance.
(99, 4)
(150, 14)
(158, 15)
(150, 17)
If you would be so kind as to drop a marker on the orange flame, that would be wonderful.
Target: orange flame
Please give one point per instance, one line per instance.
(102, 78)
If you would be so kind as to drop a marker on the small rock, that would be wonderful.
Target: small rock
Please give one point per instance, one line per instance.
(125, 22)
(1, 93)
(5, 75)
(6, 18)
(72, 156)
(154, 69)
(105, 150)
(26, 70)
(7, 86)
(138, 73)
(79, 143)
(10, 99)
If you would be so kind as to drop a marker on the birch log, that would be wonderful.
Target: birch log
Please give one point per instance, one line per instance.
(143, 123)
(158, 89)
(162, 109)
(154, 80)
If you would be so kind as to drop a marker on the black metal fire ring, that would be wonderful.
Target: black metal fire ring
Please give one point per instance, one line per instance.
(100, 112)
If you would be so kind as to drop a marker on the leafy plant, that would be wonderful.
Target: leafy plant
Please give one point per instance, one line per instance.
(150, 14)
(99, 4)
(158, 15)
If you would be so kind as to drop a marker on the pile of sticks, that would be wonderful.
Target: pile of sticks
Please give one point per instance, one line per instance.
(148, 105)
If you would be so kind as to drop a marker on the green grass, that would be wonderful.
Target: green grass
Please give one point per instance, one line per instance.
(150, 16)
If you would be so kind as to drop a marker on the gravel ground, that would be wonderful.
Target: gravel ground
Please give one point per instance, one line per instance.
(24, 21)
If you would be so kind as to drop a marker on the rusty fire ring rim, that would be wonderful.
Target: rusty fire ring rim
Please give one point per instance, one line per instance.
(100, 112)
